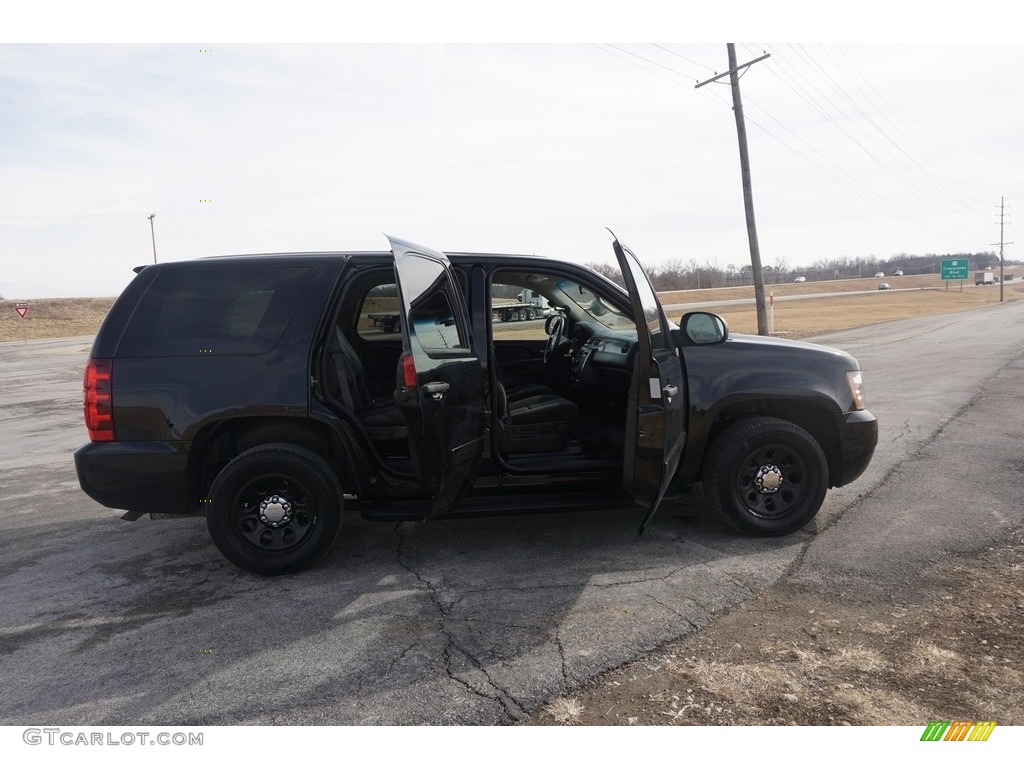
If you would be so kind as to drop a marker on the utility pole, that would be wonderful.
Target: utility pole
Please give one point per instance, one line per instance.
(153, 233)
(1002, 206)
(748, 199)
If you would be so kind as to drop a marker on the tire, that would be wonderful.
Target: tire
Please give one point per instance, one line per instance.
(522, 314)
(765, 477)
(532, 314)
(275, 483)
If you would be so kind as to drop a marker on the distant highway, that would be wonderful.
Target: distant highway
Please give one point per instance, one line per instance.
(826, 295)
(789, 297)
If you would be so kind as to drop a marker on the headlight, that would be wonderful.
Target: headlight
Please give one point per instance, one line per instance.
(856, 389)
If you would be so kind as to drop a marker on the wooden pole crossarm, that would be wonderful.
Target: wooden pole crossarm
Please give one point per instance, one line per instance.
(738, 68)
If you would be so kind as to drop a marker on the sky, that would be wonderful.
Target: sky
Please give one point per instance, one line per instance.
(500, 138)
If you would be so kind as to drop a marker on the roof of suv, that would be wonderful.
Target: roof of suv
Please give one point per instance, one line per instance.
(333, 256)
(460, 255)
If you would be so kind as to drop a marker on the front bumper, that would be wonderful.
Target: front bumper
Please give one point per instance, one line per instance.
(143, 476)
(858, 436)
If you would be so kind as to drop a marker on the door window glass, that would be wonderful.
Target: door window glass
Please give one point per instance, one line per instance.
(433, 322)
(379, 316)
(649, 303)
(427, 291)
(517, 312)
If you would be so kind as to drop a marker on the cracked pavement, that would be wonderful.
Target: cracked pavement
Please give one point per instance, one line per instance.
(482, 621)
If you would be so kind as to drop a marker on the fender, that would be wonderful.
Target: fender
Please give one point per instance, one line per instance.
(803, 383)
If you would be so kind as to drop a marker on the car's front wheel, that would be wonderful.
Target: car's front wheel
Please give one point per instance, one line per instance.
(274, 509)
(765, 477)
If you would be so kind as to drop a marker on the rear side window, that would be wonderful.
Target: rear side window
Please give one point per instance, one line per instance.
(379, 315)
(215, 311)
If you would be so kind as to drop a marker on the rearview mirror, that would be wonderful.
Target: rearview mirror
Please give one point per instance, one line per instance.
(704, 328)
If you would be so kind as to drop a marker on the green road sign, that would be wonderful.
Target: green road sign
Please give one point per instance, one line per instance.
(954, 269)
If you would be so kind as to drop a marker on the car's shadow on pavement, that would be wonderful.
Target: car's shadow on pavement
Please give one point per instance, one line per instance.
(460, 621)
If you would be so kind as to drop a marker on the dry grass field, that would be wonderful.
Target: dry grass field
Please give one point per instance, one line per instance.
(910, 296)
(53, 318)
(822, 286)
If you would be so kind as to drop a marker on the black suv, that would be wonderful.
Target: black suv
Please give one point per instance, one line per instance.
(270, 391)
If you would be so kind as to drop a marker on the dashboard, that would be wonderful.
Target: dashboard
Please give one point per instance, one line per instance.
(601, 360)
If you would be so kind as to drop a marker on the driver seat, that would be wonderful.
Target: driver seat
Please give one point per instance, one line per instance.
(528, 389)
(535, 424)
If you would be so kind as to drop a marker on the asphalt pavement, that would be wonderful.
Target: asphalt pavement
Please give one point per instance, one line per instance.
(458, 622)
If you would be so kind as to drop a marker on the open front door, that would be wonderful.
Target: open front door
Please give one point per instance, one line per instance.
(441, 384)
(656, 418)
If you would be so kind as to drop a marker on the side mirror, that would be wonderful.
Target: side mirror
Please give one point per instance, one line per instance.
(704, 328)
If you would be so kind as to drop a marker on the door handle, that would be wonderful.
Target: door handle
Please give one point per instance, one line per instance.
(436, 389)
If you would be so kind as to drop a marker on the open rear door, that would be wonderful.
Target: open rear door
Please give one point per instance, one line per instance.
(656, 419)
(441, 383)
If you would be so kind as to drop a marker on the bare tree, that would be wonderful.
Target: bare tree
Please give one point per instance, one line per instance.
(613, 273)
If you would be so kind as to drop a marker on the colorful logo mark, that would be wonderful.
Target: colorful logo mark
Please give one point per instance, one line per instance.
(958, 730)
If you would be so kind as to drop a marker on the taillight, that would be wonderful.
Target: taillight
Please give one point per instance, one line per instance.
(97, 405)
(408, 371)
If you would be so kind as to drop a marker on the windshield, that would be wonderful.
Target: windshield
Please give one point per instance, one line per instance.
(594, 307)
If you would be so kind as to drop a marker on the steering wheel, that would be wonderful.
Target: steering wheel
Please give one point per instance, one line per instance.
(555, 326)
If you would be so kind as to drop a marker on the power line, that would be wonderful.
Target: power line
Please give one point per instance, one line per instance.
(908, 131)
(691, 61)
(649, 61)
(882, 145)
(640, 66)
(923, 171)
(890, 210)
(879, 202)
(864, 192)
(797, 88)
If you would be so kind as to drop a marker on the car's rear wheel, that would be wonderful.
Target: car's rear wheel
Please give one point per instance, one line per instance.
(274, 509)
(766, 477)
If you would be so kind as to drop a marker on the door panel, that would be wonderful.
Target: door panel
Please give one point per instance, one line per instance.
(441, 385)
(656, 417)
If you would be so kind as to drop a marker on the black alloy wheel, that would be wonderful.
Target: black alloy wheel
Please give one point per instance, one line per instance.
(766, 477)
(274, 509)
